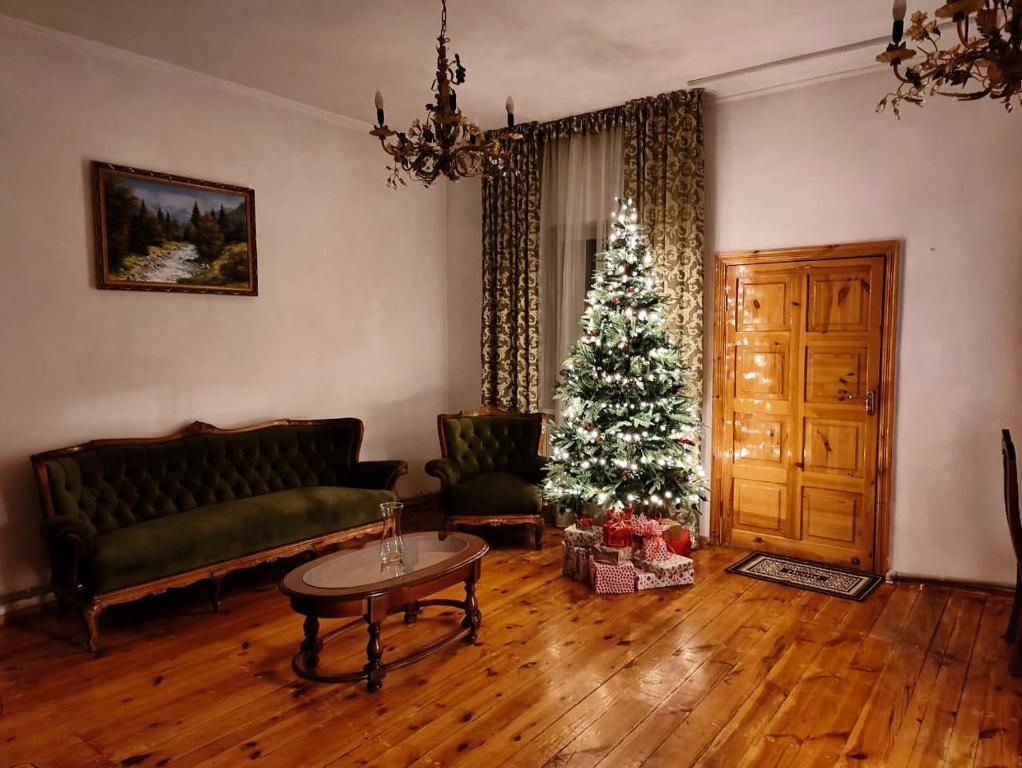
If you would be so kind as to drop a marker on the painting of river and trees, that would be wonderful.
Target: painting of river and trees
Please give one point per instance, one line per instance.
(160, 232)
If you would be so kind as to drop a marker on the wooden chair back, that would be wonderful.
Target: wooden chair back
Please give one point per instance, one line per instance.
(1011, 493)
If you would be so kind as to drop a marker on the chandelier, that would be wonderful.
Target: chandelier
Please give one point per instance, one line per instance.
(446, 143)
(986, 61)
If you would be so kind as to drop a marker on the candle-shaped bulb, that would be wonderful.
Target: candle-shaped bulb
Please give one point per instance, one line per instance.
(509, 105)
(378, 101)
(898, 11)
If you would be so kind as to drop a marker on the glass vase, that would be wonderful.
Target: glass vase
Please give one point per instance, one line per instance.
(392, 546)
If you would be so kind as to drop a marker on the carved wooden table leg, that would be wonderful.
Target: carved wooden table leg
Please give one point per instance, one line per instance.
(411, 613)
(473, 616)
(374, 651)
(312, 645)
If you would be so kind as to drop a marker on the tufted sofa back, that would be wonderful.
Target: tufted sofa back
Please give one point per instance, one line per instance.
(117, 483)
(492, 443)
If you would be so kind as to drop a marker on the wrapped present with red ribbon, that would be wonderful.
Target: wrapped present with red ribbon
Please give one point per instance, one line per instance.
(575, 562)
(607, 579)
(619, 530)
(654, 548)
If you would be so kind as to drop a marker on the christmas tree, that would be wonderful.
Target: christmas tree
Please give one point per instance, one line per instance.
(627, 433)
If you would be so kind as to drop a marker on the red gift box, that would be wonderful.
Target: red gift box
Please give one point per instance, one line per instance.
(618, 530)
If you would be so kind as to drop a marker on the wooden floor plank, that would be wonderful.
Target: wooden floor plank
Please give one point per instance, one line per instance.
(584, 734)
(882, 718)
(790, 729)
(728, 672)
(980, 680)
(999, 741)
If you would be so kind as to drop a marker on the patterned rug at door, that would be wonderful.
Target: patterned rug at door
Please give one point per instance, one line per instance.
(802, 574)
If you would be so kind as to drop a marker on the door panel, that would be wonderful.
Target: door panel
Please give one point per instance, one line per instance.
(834, 375)
(802, 350)
(833, 445)
(761, 505)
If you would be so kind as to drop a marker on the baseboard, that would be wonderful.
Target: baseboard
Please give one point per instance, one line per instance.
(939, 581)
(24, 601)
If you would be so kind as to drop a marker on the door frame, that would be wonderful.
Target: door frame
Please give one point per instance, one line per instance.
(891, 251)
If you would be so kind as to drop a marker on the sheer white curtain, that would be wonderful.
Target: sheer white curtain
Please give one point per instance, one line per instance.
(581, 177)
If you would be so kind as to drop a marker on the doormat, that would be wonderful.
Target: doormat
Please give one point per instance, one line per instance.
(802, 574)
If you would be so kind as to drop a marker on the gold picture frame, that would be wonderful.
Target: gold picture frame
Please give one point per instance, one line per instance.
(160, 232)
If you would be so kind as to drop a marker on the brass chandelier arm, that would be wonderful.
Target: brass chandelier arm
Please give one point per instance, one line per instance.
(985, 61)
(445, 143)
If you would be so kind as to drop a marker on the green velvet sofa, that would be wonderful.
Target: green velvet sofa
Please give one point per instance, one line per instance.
(131, 517)
(490, 469)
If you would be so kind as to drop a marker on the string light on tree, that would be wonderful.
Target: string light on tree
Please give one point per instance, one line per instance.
(627, 431)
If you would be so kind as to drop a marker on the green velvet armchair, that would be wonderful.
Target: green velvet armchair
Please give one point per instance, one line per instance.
(490, 469)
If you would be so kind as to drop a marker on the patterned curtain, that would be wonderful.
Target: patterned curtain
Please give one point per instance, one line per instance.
(664, 172)
(510, 335)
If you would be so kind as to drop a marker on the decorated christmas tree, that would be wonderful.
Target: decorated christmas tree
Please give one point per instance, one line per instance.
(626, 437)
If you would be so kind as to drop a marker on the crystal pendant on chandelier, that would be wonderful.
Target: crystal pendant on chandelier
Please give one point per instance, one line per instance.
(446, 143)
(985, 62)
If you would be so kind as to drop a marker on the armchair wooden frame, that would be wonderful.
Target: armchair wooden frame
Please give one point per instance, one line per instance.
(69, 587)
(451, 522)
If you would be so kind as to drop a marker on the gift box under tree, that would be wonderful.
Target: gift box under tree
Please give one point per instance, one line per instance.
(608, 579)
(575, 562)
(676, 571)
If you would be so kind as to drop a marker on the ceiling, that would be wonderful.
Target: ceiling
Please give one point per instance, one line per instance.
(556, 57)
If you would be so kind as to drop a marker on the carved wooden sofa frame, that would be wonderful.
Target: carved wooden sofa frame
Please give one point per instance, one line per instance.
(69, 588)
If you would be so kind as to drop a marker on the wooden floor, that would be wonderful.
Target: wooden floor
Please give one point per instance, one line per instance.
(731, 672)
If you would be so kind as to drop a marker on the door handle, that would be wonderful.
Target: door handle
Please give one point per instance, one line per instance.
(871, 398)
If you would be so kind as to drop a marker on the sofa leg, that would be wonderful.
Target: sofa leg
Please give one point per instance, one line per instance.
(538, 533)
(90, 615)
(214, 592)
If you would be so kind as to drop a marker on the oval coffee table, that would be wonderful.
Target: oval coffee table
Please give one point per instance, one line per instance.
(354, 582)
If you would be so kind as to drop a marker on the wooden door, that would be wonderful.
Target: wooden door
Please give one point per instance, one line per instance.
(799, 386)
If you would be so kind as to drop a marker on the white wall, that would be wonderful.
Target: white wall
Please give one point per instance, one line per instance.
(464, 292)
(817, 165)
(350, 319)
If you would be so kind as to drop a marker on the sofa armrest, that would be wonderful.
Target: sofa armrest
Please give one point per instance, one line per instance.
(380, 475)
(70, 542)
(534, 469)
(445, 470)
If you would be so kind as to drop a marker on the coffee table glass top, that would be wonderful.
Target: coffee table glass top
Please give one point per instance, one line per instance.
(362, 567)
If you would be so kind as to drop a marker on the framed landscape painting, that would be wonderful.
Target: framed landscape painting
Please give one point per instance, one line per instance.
(158, 232)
